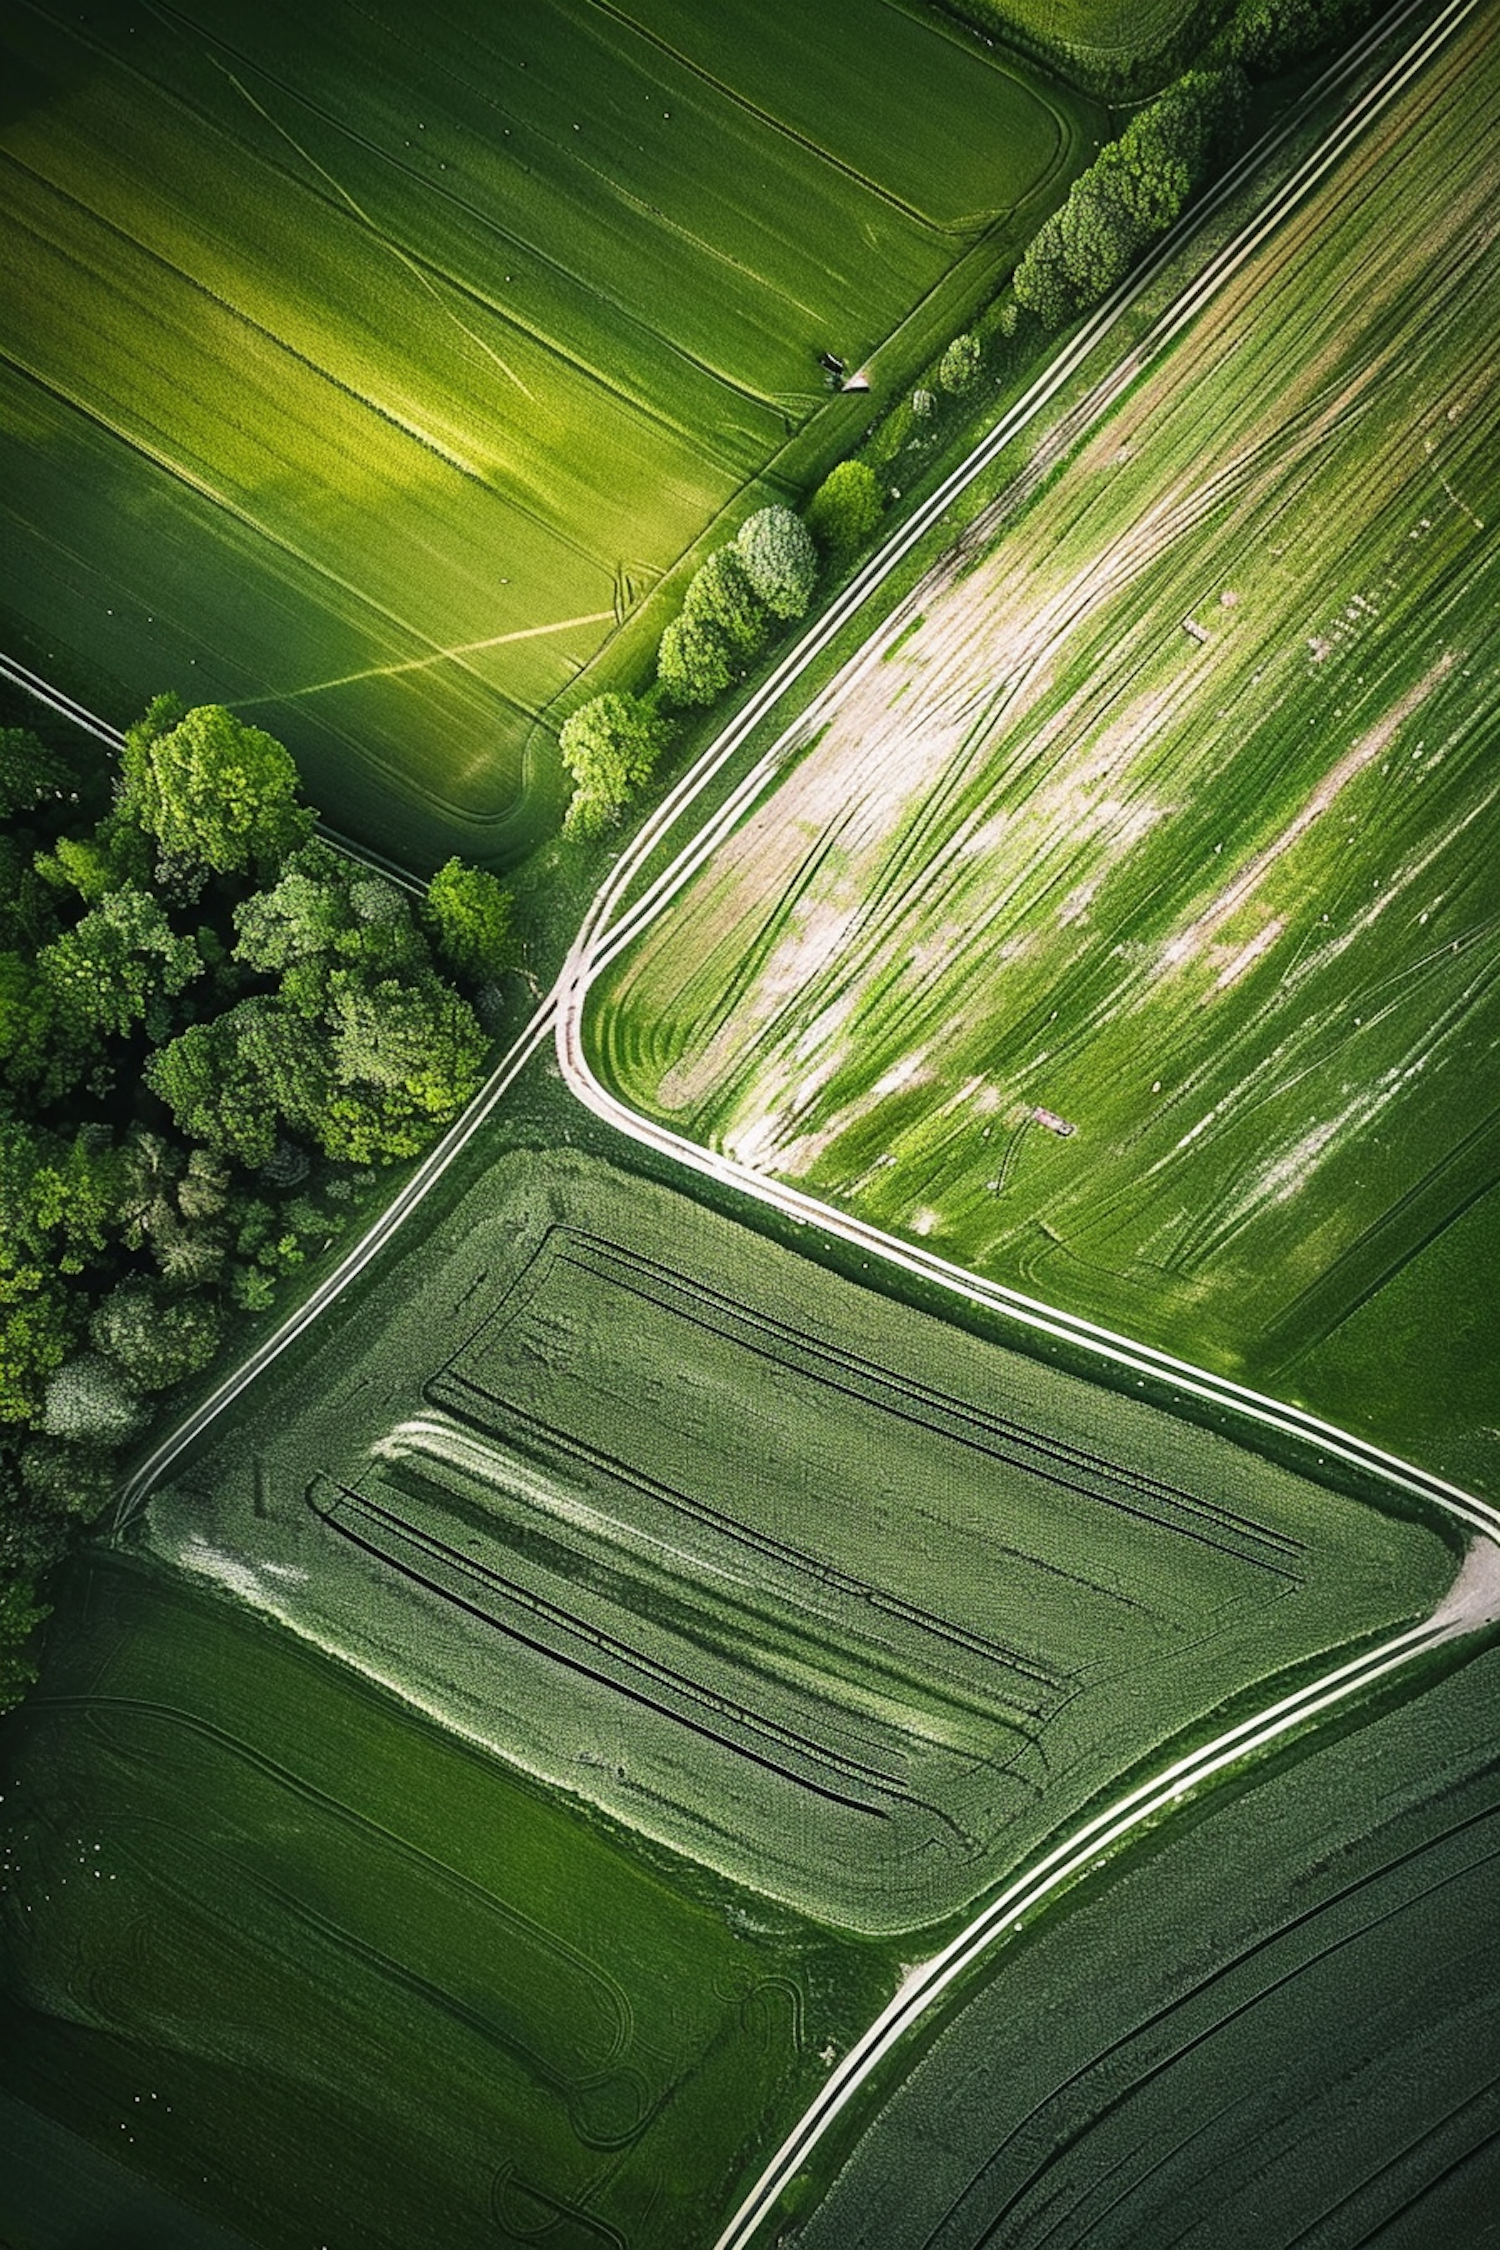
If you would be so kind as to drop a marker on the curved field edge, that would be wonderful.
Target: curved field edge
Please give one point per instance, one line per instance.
(960, 1117)
(238, 1516)
(672, 1520)
(309, 1962)
(1270, 2016)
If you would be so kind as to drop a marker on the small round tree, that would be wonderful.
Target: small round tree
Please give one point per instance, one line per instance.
(845, 509)
(156, 1339)
(923, 404)
(91, 1402)
(215, 793)
(609, 746)
(958, 369)
(694, 662)
(780, 560)
(722, 597)
(67, 1480)
(469, 915)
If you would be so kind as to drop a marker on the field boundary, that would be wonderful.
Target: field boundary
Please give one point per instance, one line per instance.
(614, 924)
(88, 722)
(1085, 1847)
(570, 988)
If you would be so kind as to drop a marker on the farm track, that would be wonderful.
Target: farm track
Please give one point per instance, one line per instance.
(613, 923)
(464, 360)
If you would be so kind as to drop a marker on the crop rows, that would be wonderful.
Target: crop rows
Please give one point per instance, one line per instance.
(1273, 2027)
(324, 1958)
(369, 377)
(1129, 932)
(673, 1532)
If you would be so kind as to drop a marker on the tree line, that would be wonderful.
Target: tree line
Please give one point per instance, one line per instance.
(1140, 183)
(1265, 36)
(213, 1029)
(736, 602)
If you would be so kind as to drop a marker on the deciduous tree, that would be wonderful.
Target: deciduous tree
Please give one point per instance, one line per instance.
(156, 1339)
(105, 973)
(214, 793)
(695, 662)
(609, 746)
(780, 560)
(470, 913)
(844, 511)
(721, 596)
(38, 1323)
(958, 369)
(67, 1480)
(214, 1091)
(90, 1401)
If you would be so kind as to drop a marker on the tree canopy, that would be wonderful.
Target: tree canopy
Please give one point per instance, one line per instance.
(609, 746)
(470, 914)
(1130, 194)
(695, 661)
(208, 1018)
(779, 560)
(155, 1339)
(845, 510)
(958, 369)
(92, 1401)
(721, 596)
(214, 793)
(107, 970)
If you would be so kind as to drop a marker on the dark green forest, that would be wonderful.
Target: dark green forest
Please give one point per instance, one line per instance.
(214, 1029)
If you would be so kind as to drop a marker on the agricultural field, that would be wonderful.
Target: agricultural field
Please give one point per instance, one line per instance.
(676, 1529)
(605, 1569)
(1273, 2025)
(1126, 929)
(1094, 36)
(325, 1973)
(369, 378)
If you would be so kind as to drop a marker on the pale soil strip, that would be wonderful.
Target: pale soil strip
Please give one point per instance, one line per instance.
(1354, 761)
(602, 939)
(421, 663)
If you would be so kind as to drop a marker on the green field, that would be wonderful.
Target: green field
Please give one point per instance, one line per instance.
(509, 1764)
(1275, 2026)
(369, 377)
(676, 1524)
(1127, 933)
(329, 1975)
(1093, 36)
